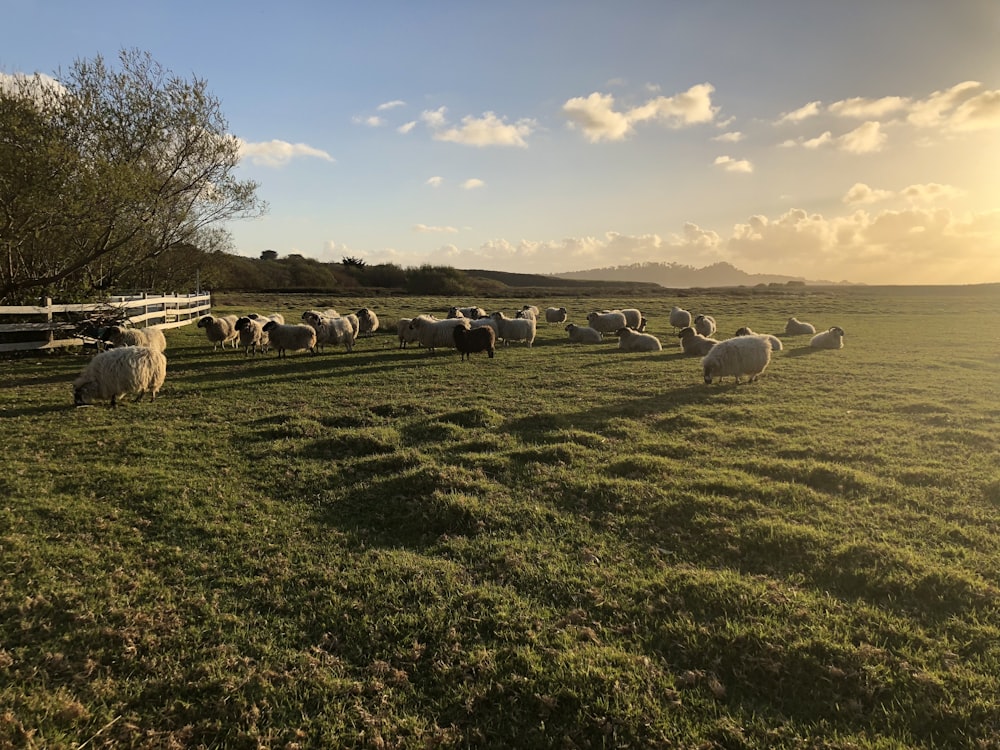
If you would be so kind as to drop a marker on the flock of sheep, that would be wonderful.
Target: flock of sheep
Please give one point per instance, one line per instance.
(135, 363)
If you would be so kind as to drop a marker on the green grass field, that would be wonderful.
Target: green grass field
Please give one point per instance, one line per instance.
(564, 546)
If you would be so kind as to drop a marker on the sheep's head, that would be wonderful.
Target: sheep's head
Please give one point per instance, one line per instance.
(686, 333)
(837, 330)
(205, 321)
(709, 369)
(744, 331)
(83, 392)
(243, 324)
(270, 325)
(624, 332)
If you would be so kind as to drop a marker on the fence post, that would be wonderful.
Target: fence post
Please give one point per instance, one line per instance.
(47, 303)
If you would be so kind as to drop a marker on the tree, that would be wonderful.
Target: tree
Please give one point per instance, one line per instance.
(105, 171)
(269, 255)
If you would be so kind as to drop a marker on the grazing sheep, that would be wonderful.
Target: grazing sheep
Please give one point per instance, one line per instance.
(743, 355)
(630, 340)
(584, 334)
(251, 335)
(122, 336)
(276, 317)
(367, 321)
(829, 339)
(472, 313)
(533, 309)
(515, 329)
(406, 334)
(119, 372)
(290, 337)
(434, 334)
(795, 327)
(607, 322)
(468, 341)
(556, 314)
(704, 324)
(693, 342)
(331, 329)
(219, 331)
(633, 318)
(679, 317)
(776, 345)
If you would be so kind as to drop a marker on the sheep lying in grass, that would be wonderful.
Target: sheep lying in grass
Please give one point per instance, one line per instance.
(742, 356)
(829, 339)
(796, 327)
(436, 334)
(331, 330)
(122, 336)
(251, 333)
(776, 345)
(290, 337)
(555, 314)
(607, 322)
(630, 340)
(120, 372)
(705, 325)
(367, 321)
(679, 317)
(584, 334)
(469, 341)
(694, 343)
(515, 329)
(220, 331)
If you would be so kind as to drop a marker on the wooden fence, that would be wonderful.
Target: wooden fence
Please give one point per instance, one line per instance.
(49, 326)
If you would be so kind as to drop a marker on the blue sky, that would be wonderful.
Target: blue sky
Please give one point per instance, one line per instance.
(835, 140)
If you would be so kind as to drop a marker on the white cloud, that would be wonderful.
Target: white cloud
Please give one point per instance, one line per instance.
(434, 118)
(929, 192)
(818, 141)
(861, 193)
(597, 117)
(428, 229)
(931, 112)
(372, 121)
(730, 164)
(802, 113)
(733, 137)
(390, 105)
(472, 183)
(278, 153)
(488, 130)
(864, 139)
(406, 127)
(435, 181)
(981, 112)
(868, 108)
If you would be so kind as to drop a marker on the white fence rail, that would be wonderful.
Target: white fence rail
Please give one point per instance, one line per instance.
(53, 331)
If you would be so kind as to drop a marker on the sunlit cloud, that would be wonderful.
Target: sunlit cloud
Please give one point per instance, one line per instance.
(818, 141)
(860, 193)
(862, 108)
(372, 121)
(595, 115)
(488, 130)
(434, 118)
(802, 113)
(931, 112)
(279, 153)
(423, 228)
(390, 105)
(435, 181)
(730, 164)
(472, 183)
(981, 112)
(863, 140)
(733, 137)
(929, 192)
(406, 127)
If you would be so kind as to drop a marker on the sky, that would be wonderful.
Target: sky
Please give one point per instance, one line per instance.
(856, 140)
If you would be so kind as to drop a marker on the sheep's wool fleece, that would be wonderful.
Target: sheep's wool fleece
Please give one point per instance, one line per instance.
(130, 369)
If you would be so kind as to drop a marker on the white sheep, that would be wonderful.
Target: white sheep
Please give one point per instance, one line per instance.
(633, 317)
(290, 337)
(486, 322)
(796, 327)
(829, 339)
(122, 336)
(533, 309)
(119, 372)
(694, 343)
(705, 325)
(556, 314)
(608, 321)
(776, 345)
(743, 355)
(276, 317)
(251, 333)
(220, 331)
(406, 334)
(472, 313)
(630, 340)
(584, 334)
(436, 334)
(331, 330)
(515, 329)
(679, 317)
(367, 321)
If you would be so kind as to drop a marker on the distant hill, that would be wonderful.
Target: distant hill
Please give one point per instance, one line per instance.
(540, 281)
(679, 276)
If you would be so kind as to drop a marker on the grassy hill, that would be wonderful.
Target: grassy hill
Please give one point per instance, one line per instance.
(563, 546)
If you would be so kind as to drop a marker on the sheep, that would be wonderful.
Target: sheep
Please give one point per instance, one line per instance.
(251, 335)
(433, 333)
(367, 321)
(486, 322)
(276, 317)
(515, 329)
(607, 322)
(469, 341)
(633, 318)
(526, 312)
(556, 314)
(743, 355)
(795, 327)
(642, 325)
(693, 342)
(630, 340)
(406, 334)
(219, 331)
(472, 313)
(295, 336)
(119, 372)
(533, 309)
(679, 317)
(776, 345)
(705, 325)
(122, 336)
(584, 334)
(829, 339)
(331, 330)
(355, 322)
